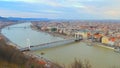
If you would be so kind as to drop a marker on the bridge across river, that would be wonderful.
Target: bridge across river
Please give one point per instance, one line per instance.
(77, 37)
(19, 27)
(48, 45)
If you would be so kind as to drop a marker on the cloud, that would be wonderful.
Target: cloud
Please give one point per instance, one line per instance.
(52, 11)
(48, 11)
(50, 3)
(18, 0)
(112, 12)
(53, 3)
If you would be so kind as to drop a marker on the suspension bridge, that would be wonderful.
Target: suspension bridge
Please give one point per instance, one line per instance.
(50, 44)
(18, 27)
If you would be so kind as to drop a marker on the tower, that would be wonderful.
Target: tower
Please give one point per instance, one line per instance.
(28, 43)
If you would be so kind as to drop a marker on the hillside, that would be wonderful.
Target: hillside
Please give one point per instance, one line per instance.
(13, 58)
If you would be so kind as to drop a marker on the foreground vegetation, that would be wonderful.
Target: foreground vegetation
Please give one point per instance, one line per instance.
(13, 58)
(5, 64)
(81, 64)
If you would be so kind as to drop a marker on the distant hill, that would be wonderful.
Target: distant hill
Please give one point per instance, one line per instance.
(28, 19)
(3, 18)
(22, 19)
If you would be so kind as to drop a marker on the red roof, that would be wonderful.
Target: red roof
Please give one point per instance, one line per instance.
(42, 62)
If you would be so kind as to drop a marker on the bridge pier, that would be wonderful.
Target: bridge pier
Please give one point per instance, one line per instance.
(78, 37)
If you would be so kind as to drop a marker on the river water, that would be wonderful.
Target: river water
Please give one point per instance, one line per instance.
(98, 57)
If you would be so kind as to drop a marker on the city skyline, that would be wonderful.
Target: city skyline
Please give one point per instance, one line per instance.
(61, 9)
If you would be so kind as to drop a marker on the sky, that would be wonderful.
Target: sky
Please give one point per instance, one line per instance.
(61, 9)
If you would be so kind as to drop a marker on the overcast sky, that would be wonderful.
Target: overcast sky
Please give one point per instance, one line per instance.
(61, 9)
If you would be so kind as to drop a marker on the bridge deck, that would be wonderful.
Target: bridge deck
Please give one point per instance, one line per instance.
(48, 45)
(18, 27)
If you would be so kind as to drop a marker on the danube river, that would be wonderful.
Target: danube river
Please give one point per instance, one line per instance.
(98, 57)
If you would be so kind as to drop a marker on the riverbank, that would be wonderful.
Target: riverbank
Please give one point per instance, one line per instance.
(52, 33)
(9, 42)
(103, 45)
(90, 43)
(58, 35)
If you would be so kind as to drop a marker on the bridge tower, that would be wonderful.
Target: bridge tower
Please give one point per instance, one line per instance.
(78, 37)
(28, 43)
